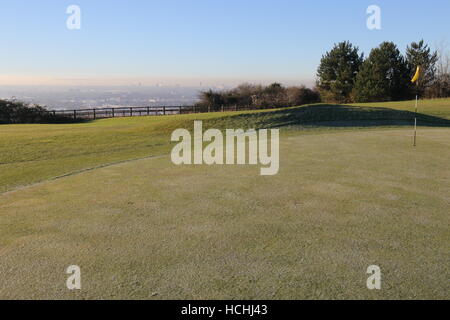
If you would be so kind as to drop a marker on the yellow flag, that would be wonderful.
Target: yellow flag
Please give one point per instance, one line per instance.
(416, 76)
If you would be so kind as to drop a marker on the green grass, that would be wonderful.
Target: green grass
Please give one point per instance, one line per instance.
(34, 153)
(435, 107)
(150, 230)
(351, 192)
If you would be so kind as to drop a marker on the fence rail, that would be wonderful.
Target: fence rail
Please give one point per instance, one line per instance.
(103, 113)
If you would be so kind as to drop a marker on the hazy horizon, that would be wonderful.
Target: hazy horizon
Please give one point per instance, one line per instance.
(206, 43)
(95, 96)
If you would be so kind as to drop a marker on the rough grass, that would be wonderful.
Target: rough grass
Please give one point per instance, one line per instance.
(34, 153)
(149, 230)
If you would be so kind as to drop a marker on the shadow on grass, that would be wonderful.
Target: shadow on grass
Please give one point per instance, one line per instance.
(336, 116)
(43, 120)
(318, 115)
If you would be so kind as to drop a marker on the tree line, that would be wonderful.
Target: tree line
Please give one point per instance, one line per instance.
(259, 96)
(345, 75)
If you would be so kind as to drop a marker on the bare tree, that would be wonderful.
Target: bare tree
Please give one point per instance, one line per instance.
(443, 64)
(441, 86)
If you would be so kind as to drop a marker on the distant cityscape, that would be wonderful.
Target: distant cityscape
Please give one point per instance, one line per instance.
(66, 98)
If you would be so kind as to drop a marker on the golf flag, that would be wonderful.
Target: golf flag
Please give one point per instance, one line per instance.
(416, 76)
(415, 79)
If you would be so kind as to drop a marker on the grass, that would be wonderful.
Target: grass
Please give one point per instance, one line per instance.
(345, 198)
(34, 153)
(436, 107)
(149, 230)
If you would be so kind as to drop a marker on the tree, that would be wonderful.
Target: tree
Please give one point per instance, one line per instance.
(384, 76)
(274, 96)
(20, 112)
(258, 96)
(441, 85)
(419, 54)
(298, 96)
(211, 99)
(337, 72)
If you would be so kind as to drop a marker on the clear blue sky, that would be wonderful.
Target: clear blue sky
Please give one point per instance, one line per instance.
(229, 40)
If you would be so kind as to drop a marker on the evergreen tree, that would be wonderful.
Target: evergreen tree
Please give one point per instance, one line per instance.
(337, 72)
(384, 76)
(419, 54)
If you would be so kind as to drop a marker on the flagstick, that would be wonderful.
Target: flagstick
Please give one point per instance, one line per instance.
(416, 80)
(415, 121)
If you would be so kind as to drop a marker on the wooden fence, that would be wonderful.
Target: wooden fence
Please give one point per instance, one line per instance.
(102, 113)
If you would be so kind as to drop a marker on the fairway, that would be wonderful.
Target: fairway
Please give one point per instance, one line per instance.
(146, 229)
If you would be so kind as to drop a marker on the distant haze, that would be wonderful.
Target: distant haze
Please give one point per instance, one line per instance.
(78, 97)
(95, 96)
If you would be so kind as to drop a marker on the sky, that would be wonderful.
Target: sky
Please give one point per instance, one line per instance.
(191, 42)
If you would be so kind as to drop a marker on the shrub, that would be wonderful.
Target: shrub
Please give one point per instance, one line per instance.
(298, 96)
(18, 112)
(257, 96)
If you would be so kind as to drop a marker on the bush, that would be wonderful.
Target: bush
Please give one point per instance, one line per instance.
(298, 96)
(18, 112)
(257, 96)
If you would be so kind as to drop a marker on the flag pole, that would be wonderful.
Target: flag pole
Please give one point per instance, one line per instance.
(416, 80)
(415, 121)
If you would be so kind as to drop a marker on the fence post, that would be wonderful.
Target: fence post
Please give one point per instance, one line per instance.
(235, 107)
(113, 112)
(148, 111)
(209, 108)
(222, 108)
(74, 114)
(131, 112)
(179, 110)
(95, 115)
(164, 110)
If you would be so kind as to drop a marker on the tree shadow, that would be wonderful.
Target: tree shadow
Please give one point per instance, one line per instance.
(323, 115)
